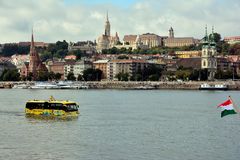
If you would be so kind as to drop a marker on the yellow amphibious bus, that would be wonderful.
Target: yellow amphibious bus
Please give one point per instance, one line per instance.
(52, 107)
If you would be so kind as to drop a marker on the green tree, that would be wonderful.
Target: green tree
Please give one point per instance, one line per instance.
(183, 74)
(62, 45)
(92, 74)
(78, 53)
(235, 49)
(122, 57)
(153, 77)
(51, 76)
(10, 75)
(30, 76)
(216, 37)
(42, 76)
(58, 76)
(122, 76)
(136, 77)
(71, 76)
(151, 72)
(10, 49)
(80, 77)
(45, 55)
(225, 48)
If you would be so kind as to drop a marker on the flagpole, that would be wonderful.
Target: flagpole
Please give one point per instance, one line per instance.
(234, 106)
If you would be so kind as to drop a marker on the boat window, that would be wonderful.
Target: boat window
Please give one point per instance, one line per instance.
(57, 106)
(35, 105)
(72, 107)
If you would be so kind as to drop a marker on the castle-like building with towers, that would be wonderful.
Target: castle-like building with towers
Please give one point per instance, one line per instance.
(106, 41)
(144, 41)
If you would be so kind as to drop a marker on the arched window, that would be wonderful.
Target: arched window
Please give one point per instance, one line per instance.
(204, 63)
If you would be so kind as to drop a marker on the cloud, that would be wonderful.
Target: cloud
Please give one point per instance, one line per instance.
(73, 21)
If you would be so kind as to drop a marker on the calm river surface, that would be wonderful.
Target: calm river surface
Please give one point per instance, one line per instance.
(121, 125)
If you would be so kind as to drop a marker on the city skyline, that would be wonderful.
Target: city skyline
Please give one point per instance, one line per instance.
(75, 20)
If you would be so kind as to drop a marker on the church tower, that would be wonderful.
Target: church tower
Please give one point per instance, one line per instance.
(35, 64)
(171, 33)
(107, 27)
(209, 53)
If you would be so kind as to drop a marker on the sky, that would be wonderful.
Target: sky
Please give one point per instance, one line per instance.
(78, 20)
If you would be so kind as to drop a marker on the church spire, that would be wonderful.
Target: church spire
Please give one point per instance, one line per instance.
(171, 33)
(206, 34)
(213, 43)
(212, 33)
(107, 17)
(107, 26)
(32, 41)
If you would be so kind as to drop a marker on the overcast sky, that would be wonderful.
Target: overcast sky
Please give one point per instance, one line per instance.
(75, 20)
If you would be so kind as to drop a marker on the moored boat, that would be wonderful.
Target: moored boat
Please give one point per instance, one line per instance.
(206, 86)
(43, 85)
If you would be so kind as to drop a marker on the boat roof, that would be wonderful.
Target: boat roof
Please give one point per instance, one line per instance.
(49, 101)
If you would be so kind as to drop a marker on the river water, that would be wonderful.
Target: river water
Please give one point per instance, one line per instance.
(121, 125)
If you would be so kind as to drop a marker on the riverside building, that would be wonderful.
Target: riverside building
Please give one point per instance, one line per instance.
(132, 67)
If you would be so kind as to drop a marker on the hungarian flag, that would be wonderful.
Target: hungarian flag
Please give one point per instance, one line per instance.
(227, 108)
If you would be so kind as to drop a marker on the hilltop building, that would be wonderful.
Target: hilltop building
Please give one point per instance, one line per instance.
(87, 47)
(232, 40)
(106, 41)
(147, 40)
(172, 41)
(188, 54)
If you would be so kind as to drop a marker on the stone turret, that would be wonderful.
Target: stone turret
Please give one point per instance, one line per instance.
(171, 33)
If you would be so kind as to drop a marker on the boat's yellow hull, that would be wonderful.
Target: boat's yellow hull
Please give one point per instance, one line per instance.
(48, 112)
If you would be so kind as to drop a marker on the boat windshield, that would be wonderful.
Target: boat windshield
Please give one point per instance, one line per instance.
(72, 107)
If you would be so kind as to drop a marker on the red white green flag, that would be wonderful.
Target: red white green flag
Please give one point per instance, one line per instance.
(227, 108)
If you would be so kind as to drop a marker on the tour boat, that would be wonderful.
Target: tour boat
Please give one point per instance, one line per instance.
(44, 85)
(52, 107)
(206, 86)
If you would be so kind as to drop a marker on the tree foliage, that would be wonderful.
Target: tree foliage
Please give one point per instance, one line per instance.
(59, 49)
(11, 49)
(235, 49)
(122, 76)
(92, 74)
(71, 76)
(10, 75)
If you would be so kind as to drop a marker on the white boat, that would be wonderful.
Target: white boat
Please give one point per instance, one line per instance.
(64, 85)
(43, 85)
(21, 86)
(206, 86)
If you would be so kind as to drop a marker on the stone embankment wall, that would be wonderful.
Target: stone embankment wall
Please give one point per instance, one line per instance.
(232, 85)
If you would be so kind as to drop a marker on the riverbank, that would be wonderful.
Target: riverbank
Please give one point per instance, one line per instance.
(193, 85)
